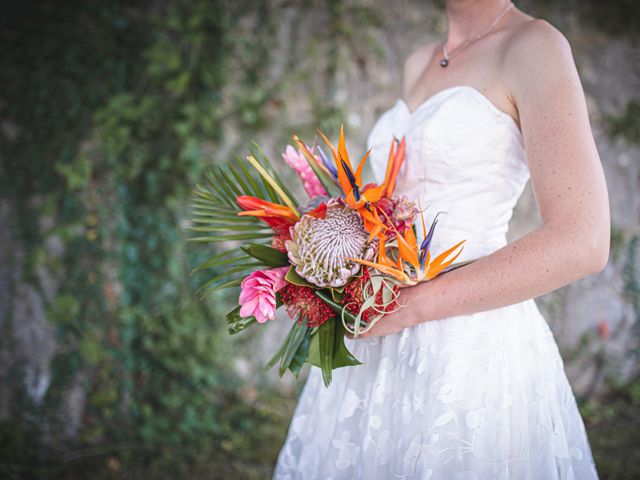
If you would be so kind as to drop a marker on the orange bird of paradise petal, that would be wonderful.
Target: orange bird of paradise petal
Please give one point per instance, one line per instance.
(398, 160)
(383, 258)
(408, 247)
(372, 222)
(387, 173)
(340, 155)
(396, 273)
(407, 244)
(439, 262)
(350, 181)
(363, 160)
(373, 193)
(342, 148)
(334, 152)
(376, 230)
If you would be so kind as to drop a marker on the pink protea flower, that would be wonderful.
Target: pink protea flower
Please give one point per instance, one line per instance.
(323, 245)
(296, 160)
(258, 293)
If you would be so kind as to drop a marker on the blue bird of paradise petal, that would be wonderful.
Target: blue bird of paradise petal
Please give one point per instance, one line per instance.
(426, 243)
(352, 180)
(329, 165)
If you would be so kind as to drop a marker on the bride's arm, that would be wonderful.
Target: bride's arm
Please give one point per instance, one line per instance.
(568, 183)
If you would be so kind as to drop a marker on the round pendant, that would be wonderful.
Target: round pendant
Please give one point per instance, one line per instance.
(444, 62)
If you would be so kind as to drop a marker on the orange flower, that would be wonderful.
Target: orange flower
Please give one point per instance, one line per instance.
(273, 214)
(603, 329)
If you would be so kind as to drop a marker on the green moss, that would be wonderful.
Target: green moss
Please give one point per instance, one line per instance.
(628, 124)
(613, 424)
(617, 242)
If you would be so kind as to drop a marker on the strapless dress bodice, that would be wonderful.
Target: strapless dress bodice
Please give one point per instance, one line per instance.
(464, 157)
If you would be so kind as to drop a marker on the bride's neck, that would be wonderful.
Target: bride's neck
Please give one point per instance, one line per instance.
(467, 18)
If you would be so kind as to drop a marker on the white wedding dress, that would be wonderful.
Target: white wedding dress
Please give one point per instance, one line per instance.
(481, 396)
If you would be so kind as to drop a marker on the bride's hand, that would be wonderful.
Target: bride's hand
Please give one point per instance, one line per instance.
(393, 322)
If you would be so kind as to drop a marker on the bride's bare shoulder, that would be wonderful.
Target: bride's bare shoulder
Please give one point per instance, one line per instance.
(534, 33)
(415, 63)
(536, 46)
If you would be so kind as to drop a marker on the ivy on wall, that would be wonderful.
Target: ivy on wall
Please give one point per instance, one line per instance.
(109, 106)
(109, 114)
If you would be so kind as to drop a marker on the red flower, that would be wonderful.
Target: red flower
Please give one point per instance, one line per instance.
(280, 236)
(302, 302)
(603, 329)
(353, 298)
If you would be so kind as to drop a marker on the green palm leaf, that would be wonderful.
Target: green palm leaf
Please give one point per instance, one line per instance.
(215, 220)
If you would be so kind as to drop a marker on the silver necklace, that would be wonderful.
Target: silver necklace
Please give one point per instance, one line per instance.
(446, 57)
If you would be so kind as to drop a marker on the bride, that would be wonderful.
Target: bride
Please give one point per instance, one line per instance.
(466, 381)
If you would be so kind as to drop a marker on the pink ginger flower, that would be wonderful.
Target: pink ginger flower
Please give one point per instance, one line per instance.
(258, 293)
(296, 160)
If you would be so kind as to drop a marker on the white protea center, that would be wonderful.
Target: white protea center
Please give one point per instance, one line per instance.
(320, 246)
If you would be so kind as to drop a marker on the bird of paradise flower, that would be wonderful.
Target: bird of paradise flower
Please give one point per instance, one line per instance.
(363, 199)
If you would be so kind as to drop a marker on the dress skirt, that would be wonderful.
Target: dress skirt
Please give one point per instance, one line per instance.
(473, 397)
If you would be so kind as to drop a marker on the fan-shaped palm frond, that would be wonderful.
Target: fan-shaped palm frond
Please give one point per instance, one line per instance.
(215, 220)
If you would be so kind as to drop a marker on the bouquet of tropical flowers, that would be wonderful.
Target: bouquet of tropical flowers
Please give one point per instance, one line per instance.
(335, 261)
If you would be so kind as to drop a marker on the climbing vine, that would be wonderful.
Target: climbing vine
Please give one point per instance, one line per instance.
(122, 105)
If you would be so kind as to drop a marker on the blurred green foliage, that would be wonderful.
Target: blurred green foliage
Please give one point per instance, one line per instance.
(112, 105)
(628, 124)
(109, 113)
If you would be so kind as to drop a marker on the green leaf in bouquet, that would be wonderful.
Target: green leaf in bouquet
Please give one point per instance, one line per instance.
(259, 154)
(209, 288)
(293, 277)
(237, 323)
(299, 334)
(231, 236)
(274, 183)
(336, 307)
(222, 228)
(270, 192)
(213, 179)
(215, 211)
(220, 259)
(279, 353)
(292, 349)
(242, 268)
(325, 179)
(337, 294)
(267, 255)
(241, 179)
(266, 185)
(255, 190)
(300, 357)
(326, 336)
(342, 357)
(231, 185)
